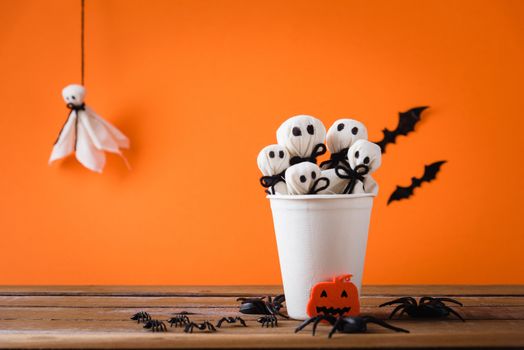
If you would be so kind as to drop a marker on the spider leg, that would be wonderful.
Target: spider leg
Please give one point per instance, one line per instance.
(242, 322)
(399, 301)
(305, 323)
(219, 324)
(335, 326)
(370, 319)
(211, 327)
(450, 300)
(315, 324)
(398, 308)
(424, 299)
(454, 313)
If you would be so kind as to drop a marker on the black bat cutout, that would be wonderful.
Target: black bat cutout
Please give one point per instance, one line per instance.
(406, 124)
(430, 174)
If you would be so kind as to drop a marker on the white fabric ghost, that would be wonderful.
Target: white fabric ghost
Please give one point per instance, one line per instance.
(86, 133)
(273, 160)
(336, 184)
(340, 136)
(303, 136)
(365, 156)
(305, 178)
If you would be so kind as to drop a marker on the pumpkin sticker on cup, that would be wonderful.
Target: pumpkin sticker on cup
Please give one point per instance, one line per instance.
(338, 298)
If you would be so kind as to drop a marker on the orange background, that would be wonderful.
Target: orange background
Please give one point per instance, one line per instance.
(201, 86)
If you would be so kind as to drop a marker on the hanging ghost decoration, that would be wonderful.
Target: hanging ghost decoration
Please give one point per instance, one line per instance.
(340, 136)
(305, 178)
(364, 158)
(273, 161)
(86, 134)
(303, 136)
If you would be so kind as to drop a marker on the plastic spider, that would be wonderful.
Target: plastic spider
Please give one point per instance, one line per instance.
(179, 319)
(427, 307)
(259, 306)
(206, 325)
(343, 324)
(268, 320)
(231, 320)
(141, 316)
(156, 326)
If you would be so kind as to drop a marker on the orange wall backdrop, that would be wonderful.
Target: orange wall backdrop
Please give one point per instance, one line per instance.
(201, 86)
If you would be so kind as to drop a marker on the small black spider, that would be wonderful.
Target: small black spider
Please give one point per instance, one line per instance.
(179, 319)
(427, 307)
(156, 326)
(141, 316)
(268, 320)
(343, 324)
(206, 325)
(259, 306)
(231, 320)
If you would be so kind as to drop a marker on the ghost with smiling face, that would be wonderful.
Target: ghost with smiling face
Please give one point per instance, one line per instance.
(303, 136)
(305, 178)
(365, 158)
(273, 161)
(340, 136)
(86, 134)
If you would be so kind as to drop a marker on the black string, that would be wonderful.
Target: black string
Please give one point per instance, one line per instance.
(314, 189)
(82, 26)
(271, 180)
(74, 109)
(318, 150)
(352, 175)
(335, 159)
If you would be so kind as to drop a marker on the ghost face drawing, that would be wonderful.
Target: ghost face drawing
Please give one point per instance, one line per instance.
(74, 95)
(340, 136)
(303, 137)
(272, 161)
(304, 178)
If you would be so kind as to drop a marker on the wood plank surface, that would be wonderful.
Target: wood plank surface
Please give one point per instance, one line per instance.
(98, 317)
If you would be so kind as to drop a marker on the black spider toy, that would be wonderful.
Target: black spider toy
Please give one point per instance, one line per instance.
(206, 325)
(268, 320)
(343, 324)
(427, 307)
(141, 316)
(156, 326)
(180, 319)
(259, 306)
(231, 320)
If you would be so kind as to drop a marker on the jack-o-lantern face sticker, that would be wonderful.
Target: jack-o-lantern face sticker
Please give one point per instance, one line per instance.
(337, 298)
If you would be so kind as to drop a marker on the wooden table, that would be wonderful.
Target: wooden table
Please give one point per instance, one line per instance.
(98, 317)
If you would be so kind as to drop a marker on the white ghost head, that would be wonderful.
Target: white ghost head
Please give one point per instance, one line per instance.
(304, 178)
(364, 154)
(273, 160)
(300, 134)
(343, 133)
(74, 94)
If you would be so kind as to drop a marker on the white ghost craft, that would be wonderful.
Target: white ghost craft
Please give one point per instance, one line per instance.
(86, 133)
(273, 161)
(364, 159)
(305, 178)
(340, 136)
(303, 137)
(336, 183)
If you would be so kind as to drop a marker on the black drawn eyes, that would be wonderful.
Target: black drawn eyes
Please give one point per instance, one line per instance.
(281, 154)
(302, 178)
(310, 129)
(357, 154)
(366, 160)
(271, 154)
(354, 131)
(73, 97)
(296, 131)
(323, 294)
(313, 175)
(344, 294)
(340, 127)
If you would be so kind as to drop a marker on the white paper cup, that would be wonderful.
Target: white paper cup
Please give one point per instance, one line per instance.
(319, 237)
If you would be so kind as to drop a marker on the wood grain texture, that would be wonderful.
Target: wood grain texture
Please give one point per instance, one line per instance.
(98, 317)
